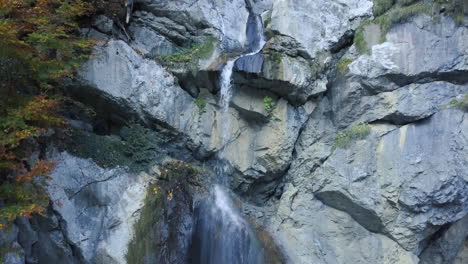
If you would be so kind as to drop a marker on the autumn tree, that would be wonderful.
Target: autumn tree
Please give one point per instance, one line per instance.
(40, 45)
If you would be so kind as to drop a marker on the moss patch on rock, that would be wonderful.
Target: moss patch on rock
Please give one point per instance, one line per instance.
(191, 55)
(159, 218)
(135, 147)
(381, 6)
(401, 14)
(389, 13)
(350, 135)
(342, 65)
(460, 103)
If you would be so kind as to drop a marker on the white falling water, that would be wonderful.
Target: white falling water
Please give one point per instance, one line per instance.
(224, 204)
(221, 236)
(226, 83)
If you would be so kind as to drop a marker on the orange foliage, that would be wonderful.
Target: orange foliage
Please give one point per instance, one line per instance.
(41, 168)
(39, 45)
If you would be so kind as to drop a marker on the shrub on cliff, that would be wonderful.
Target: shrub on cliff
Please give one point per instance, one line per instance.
(40, 45)
(350, 135)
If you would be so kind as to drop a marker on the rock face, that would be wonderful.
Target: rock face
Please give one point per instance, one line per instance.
(144, 87)
(409, 165)
(341, 157)
(327, 21)
(79, 189)
(397, 62)
(410, 186)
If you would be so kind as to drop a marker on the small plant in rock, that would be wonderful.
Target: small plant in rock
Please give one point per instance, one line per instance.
(350, 135)
(194, 53)
(462, 104)
(342, 65)
(201, 104)
(268, 104)
(381, 6)
(359, 38)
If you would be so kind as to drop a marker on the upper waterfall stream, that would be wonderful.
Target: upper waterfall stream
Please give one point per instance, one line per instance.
(257, 43)
(221, 235)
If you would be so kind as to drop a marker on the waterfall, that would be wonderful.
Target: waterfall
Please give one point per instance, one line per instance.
(221, 235)
(257, 41)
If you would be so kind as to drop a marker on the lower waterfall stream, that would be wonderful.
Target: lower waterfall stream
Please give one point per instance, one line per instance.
(221, 235)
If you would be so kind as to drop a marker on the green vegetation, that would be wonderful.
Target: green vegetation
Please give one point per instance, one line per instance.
(40, 46)
(201, 104)
(136, 147)
(350, 135)
(359, 38)
(457, 9)
(175, 175)
(381, 6)
(267, 22)
(462, 104)
(277, 57)
(401, 14)
(193, 54)
(342, 65)
(268, 104)
(388, 14)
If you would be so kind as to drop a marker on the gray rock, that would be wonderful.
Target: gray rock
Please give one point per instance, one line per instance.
(98, 206)
(14, 255)
(448, 245)
(103, 24)
(413, 176)
(146, 37)
(229, 18)
(144, 87)
(327, 21)
(12, 252)
(311, 232)
(417, 51)
(286, 69)
(462, 255)
(353, 103)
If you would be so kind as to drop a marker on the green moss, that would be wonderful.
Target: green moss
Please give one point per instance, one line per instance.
(350, 135)
(144, 243)
(135, 147)
(144, 240)
(268, 104)
(276, 56)
(389, 16)
(359, 38)
(273, 61)
(196, 52)
(402, 14)
(267, 22)
(405, 2)
(381, 6)
(457, 9)
(462, 104)
(342, 65)
(201, 104)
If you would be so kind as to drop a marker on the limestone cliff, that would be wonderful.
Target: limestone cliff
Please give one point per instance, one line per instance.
(347, 139)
